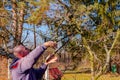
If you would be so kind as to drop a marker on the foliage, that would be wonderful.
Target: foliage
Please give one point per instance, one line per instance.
(39, 12)
(4, 21)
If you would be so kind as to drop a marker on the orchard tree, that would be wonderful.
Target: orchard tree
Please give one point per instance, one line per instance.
(95, 22)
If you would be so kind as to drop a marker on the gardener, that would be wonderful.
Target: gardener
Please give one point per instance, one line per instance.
(22, 67)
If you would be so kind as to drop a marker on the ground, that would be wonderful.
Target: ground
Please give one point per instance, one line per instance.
(87, 77)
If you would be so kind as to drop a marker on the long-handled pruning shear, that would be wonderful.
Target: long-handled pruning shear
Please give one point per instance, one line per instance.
(55, 52)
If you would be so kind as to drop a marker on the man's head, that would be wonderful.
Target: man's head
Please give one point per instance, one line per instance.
(20, 51)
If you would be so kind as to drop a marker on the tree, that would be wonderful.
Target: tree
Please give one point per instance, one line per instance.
(99, 33)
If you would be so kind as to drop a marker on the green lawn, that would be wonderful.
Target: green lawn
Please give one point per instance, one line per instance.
(87, 77)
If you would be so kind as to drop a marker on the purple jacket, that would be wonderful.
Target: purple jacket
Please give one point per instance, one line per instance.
(22, 69)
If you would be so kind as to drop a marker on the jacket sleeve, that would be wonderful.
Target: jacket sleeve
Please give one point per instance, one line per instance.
(40, 71)
(28, 61)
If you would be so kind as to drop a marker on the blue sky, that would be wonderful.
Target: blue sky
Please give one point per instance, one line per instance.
(30, 38)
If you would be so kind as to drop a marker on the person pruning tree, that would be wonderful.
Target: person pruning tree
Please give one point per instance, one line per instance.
(22, 66)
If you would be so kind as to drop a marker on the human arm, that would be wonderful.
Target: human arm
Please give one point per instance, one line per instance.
(28, 61)
(40, 71)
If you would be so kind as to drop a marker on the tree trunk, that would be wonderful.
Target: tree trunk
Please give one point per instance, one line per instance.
(14, 22)
(91, 58)
(34, 28)
(18, 20)
(20, 25)
(108, 55)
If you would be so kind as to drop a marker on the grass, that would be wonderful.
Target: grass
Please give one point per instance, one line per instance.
(88, 76)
